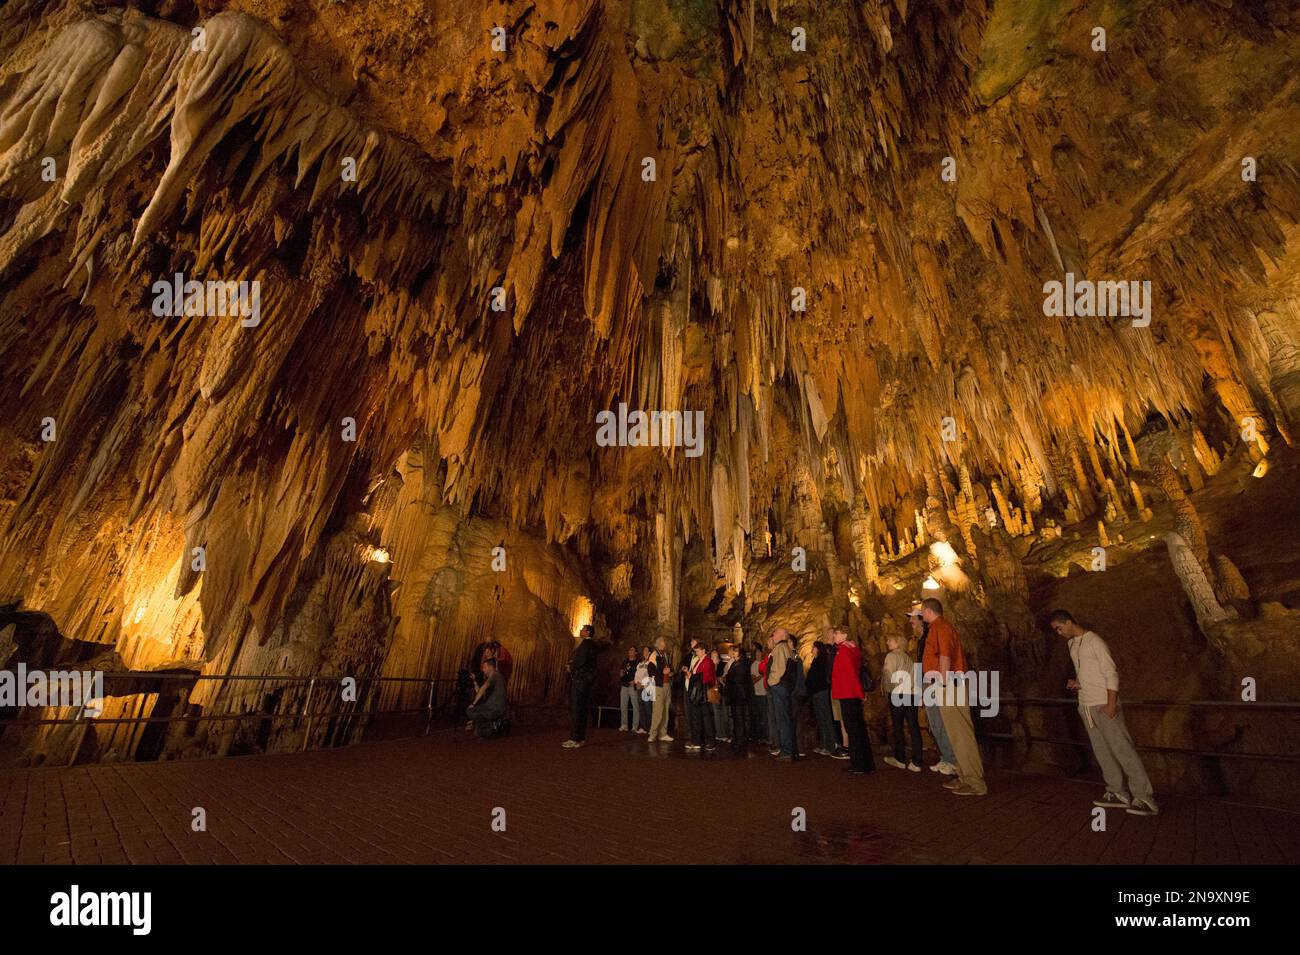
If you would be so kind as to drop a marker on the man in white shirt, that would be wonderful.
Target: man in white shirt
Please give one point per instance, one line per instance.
(1097, 681)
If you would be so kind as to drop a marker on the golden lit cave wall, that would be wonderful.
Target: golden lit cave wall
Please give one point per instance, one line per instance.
(448, 597)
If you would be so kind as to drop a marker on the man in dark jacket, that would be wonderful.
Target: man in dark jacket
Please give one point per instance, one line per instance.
(582, 672)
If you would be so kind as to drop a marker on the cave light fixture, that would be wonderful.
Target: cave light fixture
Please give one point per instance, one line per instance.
(378, 555)
(1260, 469)
(931, 584)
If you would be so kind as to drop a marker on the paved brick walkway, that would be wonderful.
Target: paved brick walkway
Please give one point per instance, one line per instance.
(431, 800)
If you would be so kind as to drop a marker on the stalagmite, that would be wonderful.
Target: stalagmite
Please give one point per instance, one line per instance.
(1196, 585)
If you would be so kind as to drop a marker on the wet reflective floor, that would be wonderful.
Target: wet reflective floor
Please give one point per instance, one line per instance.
(453, 798)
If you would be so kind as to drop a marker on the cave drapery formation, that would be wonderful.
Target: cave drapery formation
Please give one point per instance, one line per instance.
(838, 254)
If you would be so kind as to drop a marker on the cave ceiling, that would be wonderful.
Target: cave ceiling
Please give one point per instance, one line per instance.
(826, 226)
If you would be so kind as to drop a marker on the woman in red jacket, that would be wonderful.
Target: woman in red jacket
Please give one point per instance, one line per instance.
(846, 686)
(701, 676)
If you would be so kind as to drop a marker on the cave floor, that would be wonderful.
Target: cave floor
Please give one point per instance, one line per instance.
(432, 800)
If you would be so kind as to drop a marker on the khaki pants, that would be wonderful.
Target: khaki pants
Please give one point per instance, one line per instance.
(659, 715)
(958, 725)
(1118, 757)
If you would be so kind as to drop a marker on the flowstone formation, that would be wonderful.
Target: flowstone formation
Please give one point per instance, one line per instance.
(308, 310)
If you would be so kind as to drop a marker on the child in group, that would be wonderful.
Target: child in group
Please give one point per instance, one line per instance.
(896, 682)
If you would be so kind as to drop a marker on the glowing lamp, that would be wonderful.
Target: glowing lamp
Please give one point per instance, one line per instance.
(377, 554)
(931, 584)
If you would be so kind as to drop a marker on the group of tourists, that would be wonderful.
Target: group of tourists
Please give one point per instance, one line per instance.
(760, 693)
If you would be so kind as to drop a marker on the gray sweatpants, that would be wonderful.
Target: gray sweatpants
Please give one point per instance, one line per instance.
(1117, 755)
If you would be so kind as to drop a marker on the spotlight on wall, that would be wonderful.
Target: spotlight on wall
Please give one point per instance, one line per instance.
(931, 584)
(943, 551)
(581, 614)
(1260, 469)
(377, 554)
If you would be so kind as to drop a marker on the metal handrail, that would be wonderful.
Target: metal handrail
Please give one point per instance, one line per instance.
(1285, 706)
(1242, 704)
(303, 712)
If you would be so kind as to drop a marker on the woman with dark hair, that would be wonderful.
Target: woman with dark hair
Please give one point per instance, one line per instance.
(738, 690)
(700, 677)
(819, 692)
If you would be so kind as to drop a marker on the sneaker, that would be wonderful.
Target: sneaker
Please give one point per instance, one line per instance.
(890, 761)
(710, 749)
(641, 731)
(1112, 800)
(774, 752)
(840, 754)
(948, 769)
(953, 784)
(935, 768)
(967, 791)
(1142, 807)
(913, 767)
(569, 744)
(692, 748)
(622, 729)
(724, 739)
(822, 751)
(665, 739)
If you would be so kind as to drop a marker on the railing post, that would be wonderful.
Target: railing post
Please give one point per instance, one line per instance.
(79, 731)
(428, 707)
(306, 733)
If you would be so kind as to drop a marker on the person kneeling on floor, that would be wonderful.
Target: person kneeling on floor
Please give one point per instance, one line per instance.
(489, 711)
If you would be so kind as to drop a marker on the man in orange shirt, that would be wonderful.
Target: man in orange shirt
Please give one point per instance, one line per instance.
(943, 654)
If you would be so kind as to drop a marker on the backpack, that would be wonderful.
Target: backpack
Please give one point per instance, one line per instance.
(795, 663)
(865, 678)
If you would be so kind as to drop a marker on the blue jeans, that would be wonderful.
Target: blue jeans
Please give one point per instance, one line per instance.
(778, 698)
(935, 720)
(825, 720)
